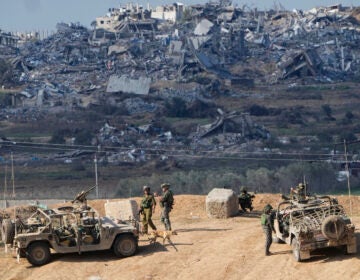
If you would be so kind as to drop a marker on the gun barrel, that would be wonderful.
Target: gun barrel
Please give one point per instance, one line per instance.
(82, 195)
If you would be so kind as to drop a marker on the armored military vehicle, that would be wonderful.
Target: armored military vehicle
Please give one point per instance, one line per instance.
(77, 228)
(312, 223)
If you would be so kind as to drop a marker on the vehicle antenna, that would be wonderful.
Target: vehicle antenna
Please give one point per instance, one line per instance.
(96, 178)
(12, 176)
(348, 176)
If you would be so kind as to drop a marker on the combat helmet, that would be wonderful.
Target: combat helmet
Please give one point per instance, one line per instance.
(267, 208)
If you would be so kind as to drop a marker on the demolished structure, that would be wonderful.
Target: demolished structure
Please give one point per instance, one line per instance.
(321, 44)
(136, 60)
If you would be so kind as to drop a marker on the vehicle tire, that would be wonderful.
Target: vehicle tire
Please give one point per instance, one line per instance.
(7, 231)
(125, 245)
(296, 249)
(333, 227)
(38, 253)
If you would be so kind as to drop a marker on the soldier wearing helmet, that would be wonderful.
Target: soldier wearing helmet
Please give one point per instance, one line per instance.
(267, 223)
(166, 203)
(299, 193)
(245, 199)
(147, 208)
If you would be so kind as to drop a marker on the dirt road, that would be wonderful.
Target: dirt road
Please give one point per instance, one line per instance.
(203, 249)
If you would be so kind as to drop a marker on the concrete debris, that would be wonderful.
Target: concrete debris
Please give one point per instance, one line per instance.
(153, 55)
(231, 125)
(203, 27)
(126, 85)
(132, 47)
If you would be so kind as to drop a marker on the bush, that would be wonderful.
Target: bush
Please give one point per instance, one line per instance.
(349, 115)
(258, 110)
(58, 137)
(77, 166)
(176, 108)
(348, 136)
(83, 137)
(5, 72)
(325, 137)
(199, 109)
(328, 111)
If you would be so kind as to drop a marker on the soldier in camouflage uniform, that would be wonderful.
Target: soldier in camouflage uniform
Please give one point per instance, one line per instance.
(267, 222)
(299, 193)
(245, 199)
(166, 203)
(148, 204)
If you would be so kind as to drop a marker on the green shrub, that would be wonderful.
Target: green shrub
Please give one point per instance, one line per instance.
(58, 137)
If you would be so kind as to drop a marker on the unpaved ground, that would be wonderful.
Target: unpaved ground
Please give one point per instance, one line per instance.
(203, 249)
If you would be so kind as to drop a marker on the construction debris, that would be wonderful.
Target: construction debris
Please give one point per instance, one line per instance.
(126, 85)
(131, 48)
(137, 60)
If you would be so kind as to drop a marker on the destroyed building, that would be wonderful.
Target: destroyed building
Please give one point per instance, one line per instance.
(130, 55)
(218, 39)
(235, 127)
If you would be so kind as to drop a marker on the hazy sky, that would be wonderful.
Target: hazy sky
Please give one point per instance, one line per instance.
(28, 15)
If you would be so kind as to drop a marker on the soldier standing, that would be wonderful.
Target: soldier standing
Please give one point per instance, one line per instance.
(166, 203)
(267, 222)
(299, 193)
(148, 204)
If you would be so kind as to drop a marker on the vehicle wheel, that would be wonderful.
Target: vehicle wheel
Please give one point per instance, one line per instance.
(296, 249)
(125, 246)
(38, 253)
(333, 227)
(7, 231)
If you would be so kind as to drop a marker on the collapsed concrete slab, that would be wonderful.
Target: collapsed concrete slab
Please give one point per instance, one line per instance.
(122, 210)
(126, 85)
(203, 27)
(221, 203)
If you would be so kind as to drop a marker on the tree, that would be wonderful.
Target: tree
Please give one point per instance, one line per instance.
(83, 137)
(349, 115)
(176, 108)
(261, 179)
(58, 137)
(327, 110)
(257, 110)
(348, 136)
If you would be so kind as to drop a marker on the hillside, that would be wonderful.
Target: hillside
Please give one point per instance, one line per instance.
(203, 249)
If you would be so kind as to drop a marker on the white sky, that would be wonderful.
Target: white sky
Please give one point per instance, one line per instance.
(42, 15)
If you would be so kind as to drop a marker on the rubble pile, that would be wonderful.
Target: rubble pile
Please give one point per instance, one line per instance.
(217, 38)
(135, 59)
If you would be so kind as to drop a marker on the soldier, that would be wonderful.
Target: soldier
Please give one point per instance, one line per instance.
(166, 203)
(267, 222)
(245, 199)
(148, 205)
(299, 193)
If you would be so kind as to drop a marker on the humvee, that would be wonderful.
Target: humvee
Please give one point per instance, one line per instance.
(73, 229)
(316, 222)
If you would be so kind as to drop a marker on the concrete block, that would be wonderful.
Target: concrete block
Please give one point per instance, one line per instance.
(221, 203)
(122, 210)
